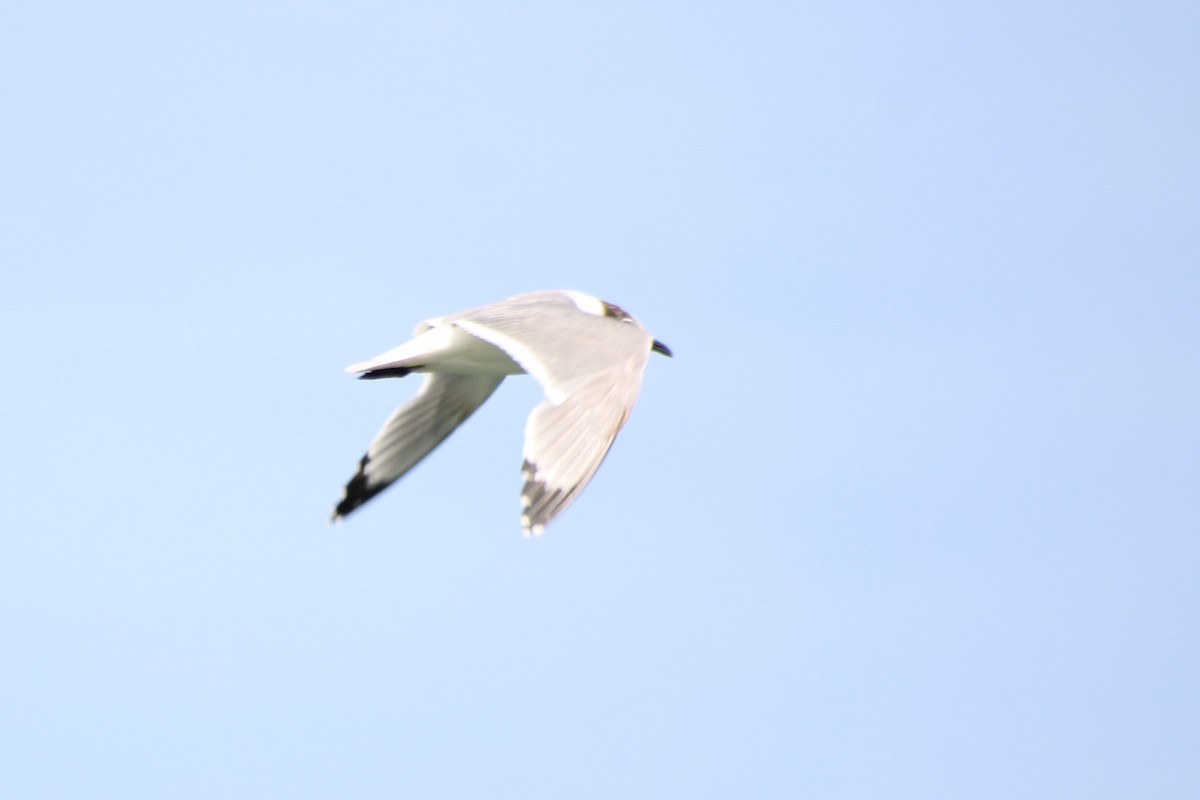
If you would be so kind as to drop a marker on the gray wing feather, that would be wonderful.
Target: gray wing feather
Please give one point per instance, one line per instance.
(564, 446)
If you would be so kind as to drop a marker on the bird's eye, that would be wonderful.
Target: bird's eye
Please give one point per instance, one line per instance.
(616, 312)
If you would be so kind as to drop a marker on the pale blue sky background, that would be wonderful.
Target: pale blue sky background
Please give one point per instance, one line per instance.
(913, 513)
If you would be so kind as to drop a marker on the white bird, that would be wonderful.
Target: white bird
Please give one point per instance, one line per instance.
(587, 354)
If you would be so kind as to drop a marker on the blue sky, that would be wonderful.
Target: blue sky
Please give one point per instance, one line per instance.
(911, 514)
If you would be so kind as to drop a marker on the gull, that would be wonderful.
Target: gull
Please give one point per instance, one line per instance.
(587, 354)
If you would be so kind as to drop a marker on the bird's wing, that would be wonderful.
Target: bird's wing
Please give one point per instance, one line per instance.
(443, 402)
(590, 368)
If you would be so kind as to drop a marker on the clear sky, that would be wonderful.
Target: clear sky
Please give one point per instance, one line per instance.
(913, 512)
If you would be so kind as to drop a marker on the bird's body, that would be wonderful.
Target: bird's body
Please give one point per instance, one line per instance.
(588, 356)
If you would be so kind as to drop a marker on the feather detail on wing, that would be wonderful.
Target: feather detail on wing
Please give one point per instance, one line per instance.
(565, 444)
(413, 430)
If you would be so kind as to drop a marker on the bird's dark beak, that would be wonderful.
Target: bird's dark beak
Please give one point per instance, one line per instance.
(659, 347)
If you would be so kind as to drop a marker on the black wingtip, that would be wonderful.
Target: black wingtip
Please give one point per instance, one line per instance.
(357, 492)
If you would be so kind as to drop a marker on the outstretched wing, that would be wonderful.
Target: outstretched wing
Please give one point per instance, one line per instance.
(565, 443)
(590, 368)
(443, 402)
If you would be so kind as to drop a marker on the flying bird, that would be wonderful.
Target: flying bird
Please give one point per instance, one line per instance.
(587, 354)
